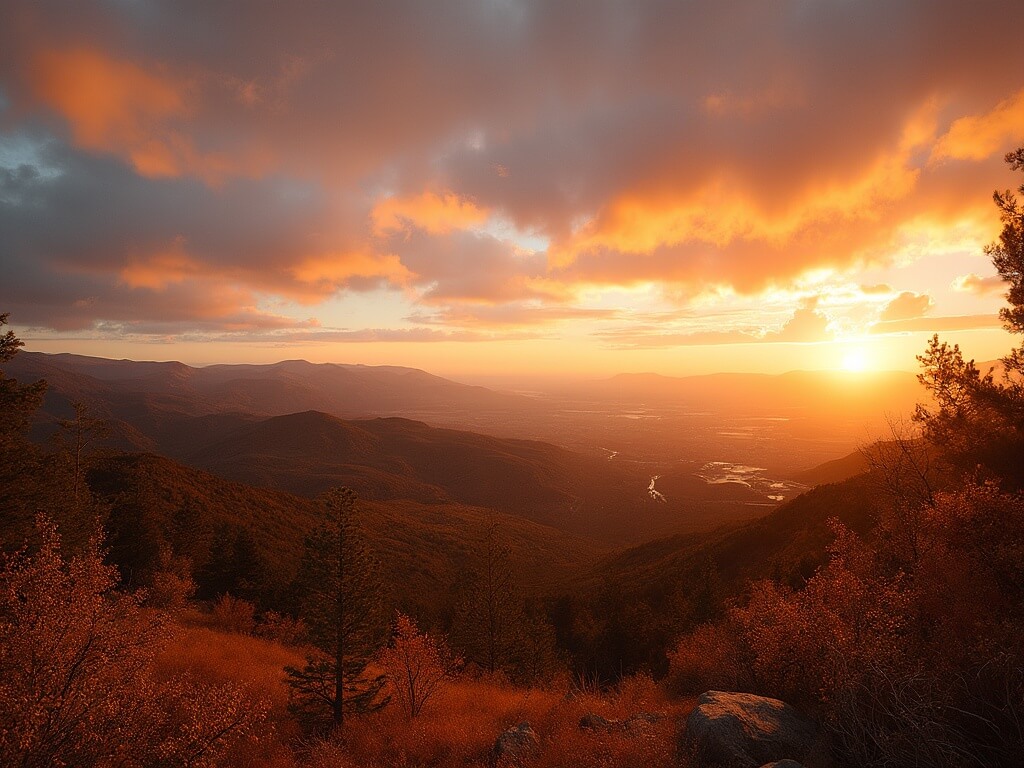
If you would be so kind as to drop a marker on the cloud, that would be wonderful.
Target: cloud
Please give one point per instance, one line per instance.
(458, 153)
(975, 137)
(876, 290)
(972, 283)
(434, 213)
(906, 306)
(516, 315)
(375, 335)
(118, 106)
(805, 325)
(474, 268)
(90, 241)
(937, 324)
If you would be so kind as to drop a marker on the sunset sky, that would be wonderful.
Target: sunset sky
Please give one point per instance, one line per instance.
(503, 187)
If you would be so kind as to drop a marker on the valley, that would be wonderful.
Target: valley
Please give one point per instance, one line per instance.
(583, 462)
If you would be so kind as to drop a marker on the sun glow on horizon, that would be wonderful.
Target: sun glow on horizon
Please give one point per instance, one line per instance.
(856, 360)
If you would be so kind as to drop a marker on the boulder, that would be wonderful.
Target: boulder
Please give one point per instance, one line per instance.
(515, 746)
(741, 730)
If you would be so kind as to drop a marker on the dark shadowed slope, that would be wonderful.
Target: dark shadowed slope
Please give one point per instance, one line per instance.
(787, 544)
(834, 471)
(422, 548)
(395, 458)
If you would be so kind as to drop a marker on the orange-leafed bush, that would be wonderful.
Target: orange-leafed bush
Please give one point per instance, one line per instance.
(171, 586)
(712, 657)
(850, 618)
(77, 682)
(232, 614)
(914, 658)
(416, 665)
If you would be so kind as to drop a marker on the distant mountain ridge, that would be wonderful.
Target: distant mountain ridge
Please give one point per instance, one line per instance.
(266, 390)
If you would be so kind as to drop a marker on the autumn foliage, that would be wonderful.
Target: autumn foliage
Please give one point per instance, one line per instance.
(416, 665)
(77, 681)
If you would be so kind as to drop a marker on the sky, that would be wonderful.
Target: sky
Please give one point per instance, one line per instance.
(508, 188)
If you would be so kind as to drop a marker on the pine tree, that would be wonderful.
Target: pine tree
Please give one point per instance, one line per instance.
(342, 603)
(977, 420)
(17, 401)
(489, 612)
(494, 627)
(21, 492)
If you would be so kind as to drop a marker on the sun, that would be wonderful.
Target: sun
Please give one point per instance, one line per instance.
(856, 360)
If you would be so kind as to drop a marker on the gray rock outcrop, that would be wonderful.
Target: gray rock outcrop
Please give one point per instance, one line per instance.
(515, 746)
(741, 730)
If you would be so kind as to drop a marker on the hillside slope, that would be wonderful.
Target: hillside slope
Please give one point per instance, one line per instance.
(423, 548)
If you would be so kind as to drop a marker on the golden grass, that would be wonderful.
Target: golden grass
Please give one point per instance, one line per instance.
(456, 728)
(257, 665)
(459, 728)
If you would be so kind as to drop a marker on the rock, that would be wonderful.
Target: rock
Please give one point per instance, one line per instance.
(515, 745)
(644, 717)
(783, 764)
(641, 722)
(741, 730)
(592, 722)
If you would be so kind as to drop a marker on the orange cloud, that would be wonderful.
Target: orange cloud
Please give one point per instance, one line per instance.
(973, 283)
(722, 213)
(976, 137)
(431, 212)
(906, 306)
(323, 275)
(107, 102)
(117, 106)
(937, 324)
(159, 270)
(510, 315)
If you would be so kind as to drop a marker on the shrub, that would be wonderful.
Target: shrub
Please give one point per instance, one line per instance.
(232, 614)
(416, 665)
(77, 683)
(709, 658)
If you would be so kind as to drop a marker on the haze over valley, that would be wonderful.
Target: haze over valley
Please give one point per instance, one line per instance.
(618, 461)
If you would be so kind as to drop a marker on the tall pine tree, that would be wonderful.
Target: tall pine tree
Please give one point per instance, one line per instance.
(21, 492)
(342, 603)
(493, 627)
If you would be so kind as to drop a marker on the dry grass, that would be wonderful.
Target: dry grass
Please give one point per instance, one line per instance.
(256, 664)
(457, 728)
(460, 727)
